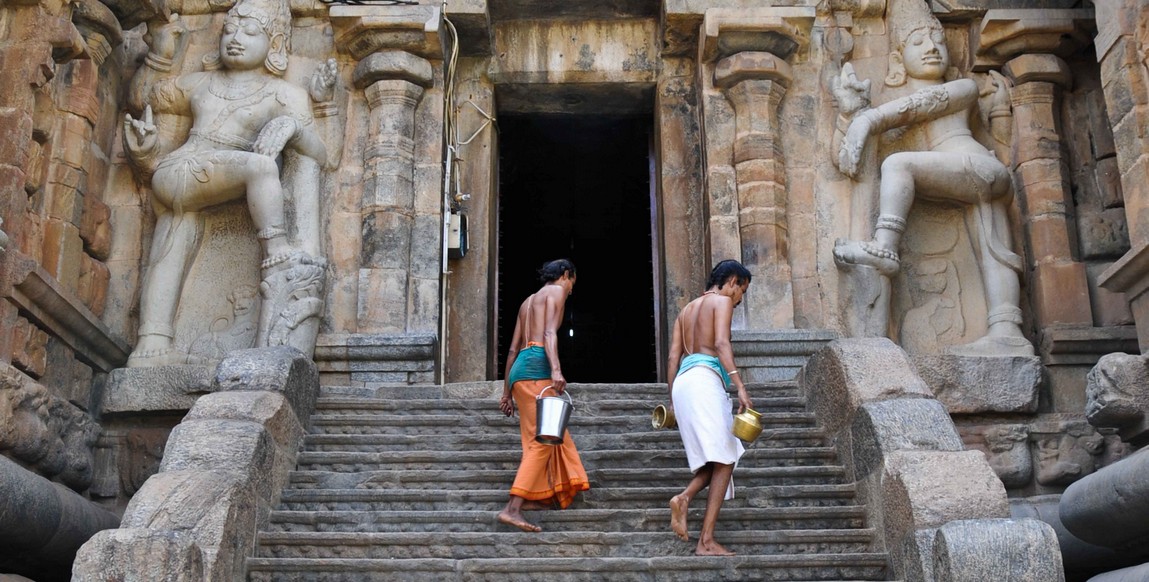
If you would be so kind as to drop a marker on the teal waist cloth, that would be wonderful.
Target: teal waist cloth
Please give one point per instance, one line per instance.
(703, 360)
(530, 364)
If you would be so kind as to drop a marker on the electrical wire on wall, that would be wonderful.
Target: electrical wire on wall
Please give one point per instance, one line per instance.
(453, 196)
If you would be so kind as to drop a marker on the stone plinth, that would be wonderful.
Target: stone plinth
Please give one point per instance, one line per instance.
(975, 384)
(371, 360)
(776, 355)
(155, 390)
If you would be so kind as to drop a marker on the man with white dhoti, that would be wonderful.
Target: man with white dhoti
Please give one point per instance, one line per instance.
(700, 351)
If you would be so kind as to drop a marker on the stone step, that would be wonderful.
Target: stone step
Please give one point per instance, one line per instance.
(599, 520)
(494, 423)
(620, 406)
(595, 498)
(578, 391)
(502, 478)
(812, 567)
(646, 439)
(360, 545)
(465, 460)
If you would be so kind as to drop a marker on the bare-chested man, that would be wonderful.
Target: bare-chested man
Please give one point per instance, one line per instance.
(549, 475)
(700, 351)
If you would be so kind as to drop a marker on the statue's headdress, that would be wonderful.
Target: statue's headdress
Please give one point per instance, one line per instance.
(906, 16)
(274, 16)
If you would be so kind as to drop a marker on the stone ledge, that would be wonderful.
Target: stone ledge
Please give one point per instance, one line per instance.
(1086, 345)
(161, 389)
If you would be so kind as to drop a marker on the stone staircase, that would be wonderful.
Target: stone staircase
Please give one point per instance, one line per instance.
(404, 487)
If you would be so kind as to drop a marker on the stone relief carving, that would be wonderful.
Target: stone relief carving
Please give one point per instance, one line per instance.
(1006, 448)
(208, 138)
(1117, 394)
(1065, 452)
(937, 315)
(926, 110)
(144, 450)
(45, 433)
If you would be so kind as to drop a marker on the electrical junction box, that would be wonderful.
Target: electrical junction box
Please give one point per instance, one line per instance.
(457, 236)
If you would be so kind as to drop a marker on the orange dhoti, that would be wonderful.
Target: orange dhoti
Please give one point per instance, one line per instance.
(547, 473)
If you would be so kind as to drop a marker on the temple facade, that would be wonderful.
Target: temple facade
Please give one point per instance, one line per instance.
(365, 190)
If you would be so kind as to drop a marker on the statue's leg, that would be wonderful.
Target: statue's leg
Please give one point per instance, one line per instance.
(896, 197)
(172, 245)
(265, 202)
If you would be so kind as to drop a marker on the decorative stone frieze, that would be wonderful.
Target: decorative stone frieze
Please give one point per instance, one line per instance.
(1065, 451)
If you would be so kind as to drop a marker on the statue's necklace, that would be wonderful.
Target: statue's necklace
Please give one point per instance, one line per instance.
(230, 90)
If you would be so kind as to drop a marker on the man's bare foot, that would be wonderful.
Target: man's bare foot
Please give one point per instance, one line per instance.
(519, 522)
(865, 253)
(712, 548)
(678, 507)
(535, 506)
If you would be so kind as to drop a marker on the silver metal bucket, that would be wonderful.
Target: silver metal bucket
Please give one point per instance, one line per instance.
(552, 416)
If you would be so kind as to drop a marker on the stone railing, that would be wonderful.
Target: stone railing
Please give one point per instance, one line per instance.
(222, 471)
(939, 509)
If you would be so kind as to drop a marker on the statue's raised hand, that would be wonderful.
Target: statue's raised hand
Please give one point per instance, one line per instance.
(851, 94)
(275, 135)
(322, 86)
(140, 134)
(994, 94)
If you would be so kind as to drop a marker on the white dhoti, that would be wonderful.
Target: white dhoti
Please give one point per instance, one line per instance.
(706, 420)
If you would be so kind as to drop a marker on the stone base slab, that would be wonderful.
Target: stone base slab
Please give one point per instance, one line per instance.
(161, 389)
(366, 360)
(776, 355)
(976, 384)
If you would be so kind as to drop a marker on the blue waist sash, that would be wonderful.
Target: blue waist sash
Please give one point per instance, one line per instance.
(711, 362)
(530, 364)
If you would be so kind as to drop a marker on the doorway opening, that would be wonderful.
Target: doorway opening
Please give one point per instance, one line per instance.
(579, 187)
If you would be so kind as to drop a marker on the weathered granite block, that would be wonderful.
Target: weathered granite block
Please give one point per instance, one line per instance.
(1117, 396)
(215, 508)
(280, 369)
(850, 372)
(269, 409)
(1111, 507)
(978, 550)
(139, 555)
(927, 489)
(239, 446)
(162, 389)
(906, 424)
(975, 384)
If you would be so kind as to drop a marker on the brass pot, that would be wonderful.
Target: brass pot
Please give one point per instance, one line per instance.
(748, 425)
(663, 417)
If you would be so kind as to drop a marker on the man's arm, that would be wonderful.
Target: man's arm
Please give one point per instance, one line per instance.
(506, 403)
(674, 360)
(556, 300)
(723, 314)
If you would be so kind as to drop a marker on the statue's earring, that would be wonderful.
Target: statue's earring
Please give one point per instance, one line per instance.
(896, 75)
(277, 55)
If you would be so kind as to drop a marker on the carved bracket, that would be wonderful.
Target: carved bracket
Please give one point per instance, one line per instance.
(1007, 33)
(363, 30)
(780, 31)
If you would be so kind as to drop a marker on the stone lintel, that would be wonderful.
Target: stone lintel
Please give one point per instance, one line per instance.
(751, 65)
(1008, 32)
(390, 65)
(58, 311)
(363, 30)
(782, 31)
(1040, 68)
(472, 20)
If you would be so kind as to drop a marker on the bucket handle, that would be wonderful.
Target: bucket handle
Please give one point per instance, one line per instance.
(552, 387)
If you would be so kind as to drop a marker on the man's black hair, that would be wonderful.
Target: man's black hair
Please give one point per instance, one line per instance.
(725, 270)
(554, 270)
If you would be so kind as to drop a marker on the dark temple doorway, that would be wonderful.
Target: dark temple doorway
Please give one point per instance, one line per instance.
(579, 187)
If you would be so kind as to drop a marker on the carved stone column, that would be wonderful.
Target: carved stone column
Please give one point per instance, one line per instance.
(1061, 290)
(393, 82)
(755, 83)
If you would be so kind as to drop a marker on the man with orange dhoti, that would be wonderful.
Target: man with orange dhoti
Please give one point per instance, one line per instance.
(549, 475)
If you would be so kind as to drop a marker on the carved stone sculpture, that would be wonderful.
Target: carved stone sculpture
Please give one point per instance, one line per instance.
(1008, 453)
(1117, 394)
(941, 161)
(1066, 452)
(243, 116)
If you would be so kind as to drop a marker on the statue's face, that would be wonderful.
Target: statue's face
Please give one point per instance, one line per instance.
(244, 44)
(924, 54)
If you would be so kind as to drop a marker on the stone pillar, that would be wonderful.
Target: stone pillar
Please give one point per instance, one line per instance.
(1061, 290)
(755, 83)
(393, 82)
